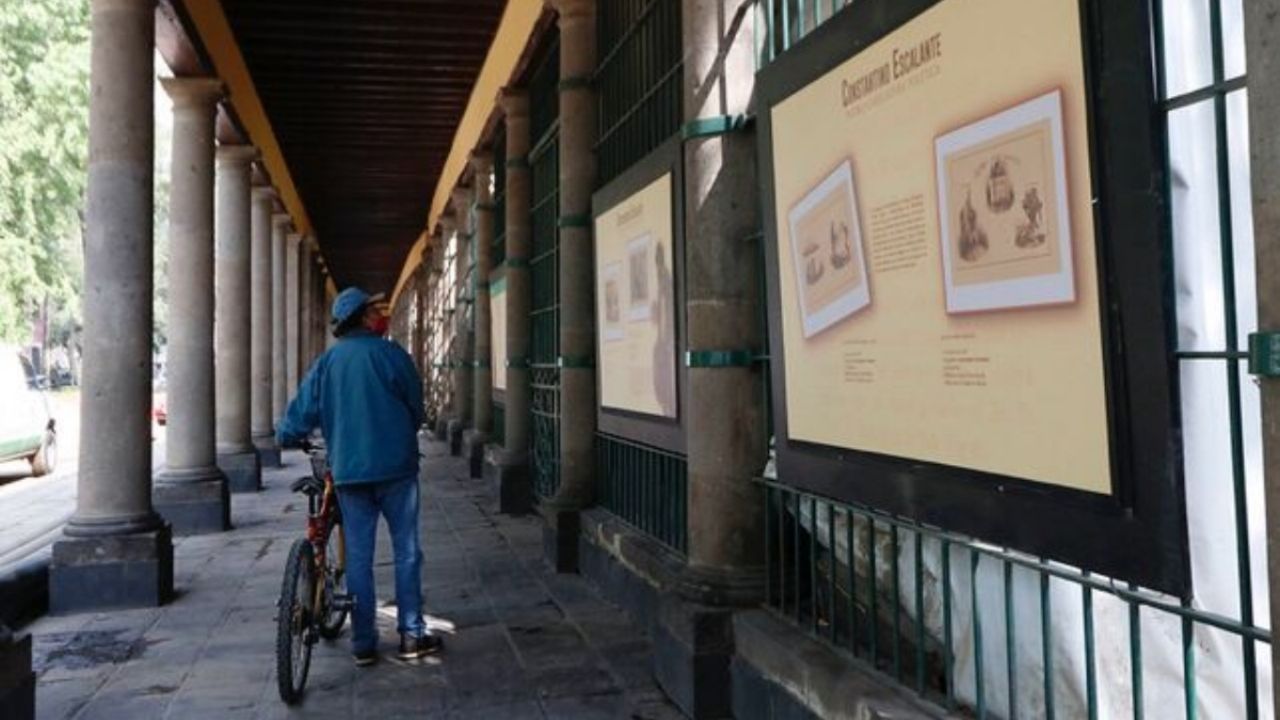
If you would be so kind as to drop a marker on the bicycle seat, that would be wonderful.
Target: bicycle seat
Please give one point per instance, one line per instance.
(307, 485)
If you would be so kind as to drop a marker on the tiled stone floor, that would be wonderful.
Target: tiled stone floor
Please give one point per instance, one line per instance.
(521, 641)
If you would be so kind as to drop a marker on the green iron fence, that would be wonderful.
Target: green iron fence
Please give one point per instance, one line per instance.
(637, 80)
(645, 486)
(996, 633)
(544, 268)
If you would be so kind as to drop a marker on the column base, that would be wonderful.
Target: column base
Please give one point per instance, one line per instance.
(692, 655)
(441, 430)
(560, 538)
(111, 571)
(193, 502)
(243, 470)
(17, 682)
(268, 451)
(455, 430)
(508, 475)
(473, 443)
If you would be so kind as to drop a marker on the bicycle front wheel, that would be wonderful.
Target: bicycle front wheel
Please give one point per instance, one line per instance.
(294, 621)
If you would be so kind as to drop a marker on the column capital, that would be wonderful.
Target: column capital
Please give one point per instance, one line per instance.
(281, 219)
(293, 237)
(200, 92)
(514, 101)
(265, 192)
(573, 9)
(448, 223)
(481, 161)
(237, 155)
(461, 202)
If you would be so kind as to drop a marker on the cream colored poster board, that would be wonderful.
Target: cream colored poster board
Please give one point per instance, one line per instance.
(498, 327)
(635, 303)
(936, 259)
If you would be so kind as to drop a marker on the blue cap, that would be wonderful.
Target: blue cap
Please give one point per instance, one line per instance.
(349, 302)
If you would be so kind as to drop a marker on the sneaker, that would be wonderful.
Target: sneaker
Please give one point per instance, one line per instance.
(414, 648)
(365, 658)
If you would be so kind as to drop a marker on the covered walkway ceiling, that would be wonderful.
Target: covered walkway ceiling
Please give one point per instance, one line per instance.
(363, 97)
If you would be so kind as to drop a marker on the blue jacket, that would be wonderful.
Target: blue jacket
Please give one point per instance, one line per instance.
(366, 397)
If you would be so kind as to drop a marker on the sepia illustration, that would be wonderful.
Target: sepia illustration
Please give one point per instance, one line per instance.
(1005, 230)
(826, 243)
(611, 278)
(639, 298)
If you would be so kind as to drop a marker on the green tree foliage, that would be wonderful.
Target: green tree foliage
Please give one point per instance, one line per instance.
(44, 100)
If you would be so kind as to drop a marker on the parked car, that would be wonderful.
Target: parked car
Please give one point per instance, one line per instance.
(27, 430)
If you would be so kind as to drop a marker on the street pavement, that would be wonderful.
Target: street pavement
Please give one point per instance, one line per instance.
(521, 641)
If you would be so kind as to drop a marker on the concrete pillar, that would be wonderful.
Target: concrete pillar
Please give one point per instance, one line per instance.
(261, 424)
(279, 378)
(17, 682)
(724, 413)
(293, 248)
(482, 342)
(306, 305)
(508, 467)
(191, 492)
(1262, 47)
(577, 21)
(236, 454)
(463, 340)
(115, 550)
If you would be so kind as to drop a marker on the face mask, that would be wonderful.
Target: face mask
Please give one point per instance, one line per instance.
(381, 325)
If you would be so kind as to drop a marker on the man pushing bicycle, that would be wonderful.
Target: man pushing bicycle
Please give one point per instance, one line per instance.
(365, 395)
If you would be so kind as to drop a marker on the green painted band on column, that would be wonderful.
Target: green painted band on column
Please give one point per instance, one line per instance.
(574, 83)
(575, 362)
(519, 263)
(712, 126)
(573, 221)
(482, 285)
(518, 363)
(479, 364)
(518, 163)
(719, 358)
(486, 206)
(1264, 354)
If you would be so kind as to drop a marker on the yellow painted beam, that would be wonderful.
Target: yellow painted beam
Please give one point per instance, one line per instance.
(215, 32)
(517, 25)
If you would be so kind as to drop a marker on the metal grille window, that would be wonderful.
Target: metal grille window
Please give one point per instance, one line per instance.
(544, 268)
(1006, 635)
(646, 487)
(637, 80)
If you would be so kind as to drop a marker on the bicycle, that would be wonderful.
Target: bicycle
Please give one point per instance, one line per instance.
(313, 603)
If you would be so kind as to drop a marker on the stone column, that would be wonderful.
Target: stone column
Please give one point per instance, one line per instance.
(236, 454)
(462, 338)
(261, 424)
(440, 382)
(306, 303)
(1262, 28)
(17, 682)
(279, 377)
(191, 492)
(419, 318)
(577, 23)
(482, 342)
(293, 247)
(115, 550)
(724, 408)
(509, 466)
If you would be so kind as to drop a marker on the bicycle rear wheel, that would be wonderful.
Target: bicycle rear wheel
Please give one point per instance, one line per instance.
(334, 613)
(294, 621)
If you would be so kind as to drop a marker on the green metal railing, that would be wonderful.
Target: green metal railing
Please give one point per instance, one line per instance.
(933, 609)
(646, 487)
(637, 80)
(544, 269)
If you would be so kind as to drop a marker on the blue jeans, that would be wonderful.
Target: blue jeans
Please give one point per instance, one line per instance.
(397, 501)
